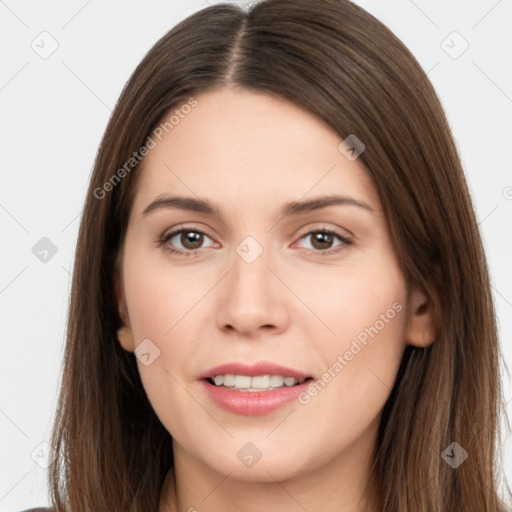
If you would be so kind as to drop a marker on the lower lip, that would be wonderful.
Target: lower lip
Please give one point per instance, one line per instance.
(254, 403)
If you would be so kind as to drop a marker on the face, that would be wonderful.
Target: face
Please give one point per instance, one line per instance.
(316, 290)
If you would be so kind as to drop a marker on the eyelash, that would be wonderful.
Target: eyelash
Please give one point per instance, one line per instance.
(165, 238)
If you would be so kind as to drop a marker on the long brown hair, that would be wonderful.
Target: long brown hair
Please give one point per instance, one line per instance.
(338, 61)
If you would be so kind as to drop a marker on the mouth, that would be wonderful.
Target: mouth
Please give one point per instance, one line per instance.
(252, 390)
(253, 395)
(257, 377)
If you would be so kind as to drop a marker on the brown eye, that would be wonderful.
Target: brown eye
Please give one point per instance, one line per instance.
(185, 241)
(191, 239)
(321, 240)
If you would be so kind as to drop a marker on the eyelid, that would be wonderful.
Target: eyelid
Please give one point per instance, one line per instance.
(171, 233)
(322, 226)
(345, 240)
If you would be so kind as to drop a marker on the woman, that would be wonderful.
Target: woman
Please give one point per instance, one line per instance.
(280, 296)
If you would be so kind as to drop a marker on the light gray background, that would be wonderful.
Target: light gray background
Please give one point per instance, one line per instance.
(54, 111)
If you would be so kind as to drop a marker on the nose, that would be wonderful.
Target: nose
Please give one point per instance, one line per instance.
(252, 299)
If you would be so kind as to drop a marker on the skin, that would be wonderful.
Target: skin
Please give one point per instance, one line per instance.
(249, 153)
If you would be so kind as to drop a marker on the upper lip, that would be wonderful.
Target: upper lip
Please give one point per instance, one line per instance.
(252, 370)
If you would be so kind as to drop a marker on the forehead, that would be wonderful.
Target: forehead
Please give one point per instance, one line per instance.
(243, 148)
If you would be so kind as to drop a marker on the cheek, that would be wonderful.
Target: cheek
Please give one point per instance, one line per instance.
(360, 301)
(159, 306)
(367, 312)
(362, 365)
(159, 298)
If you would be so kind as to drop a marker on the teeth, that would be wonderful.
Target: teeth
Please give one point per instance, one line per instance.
(219, 380)
(276, 381)
(258, 383)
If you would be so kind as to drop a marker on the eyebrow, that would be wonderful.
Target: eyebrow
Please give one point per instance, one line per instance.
(289, 209)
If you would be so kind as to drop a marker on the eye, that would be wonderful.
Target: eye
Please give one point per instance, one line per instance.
(322, 240)
(191, 239)
(186, 241)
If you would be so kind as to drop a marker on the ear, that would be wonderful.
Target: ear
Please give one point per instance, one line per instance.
(124, 333)
(421, 329)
